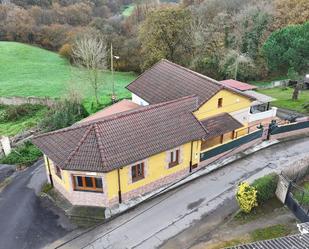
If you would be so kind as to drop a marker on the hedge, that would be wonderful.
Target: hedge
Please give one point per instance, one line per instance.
(266, 187)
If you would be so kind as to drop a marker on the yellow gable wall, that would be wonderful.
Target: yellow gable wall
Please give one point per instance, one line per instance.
(231, 102)
(155, 169)
(65, 175)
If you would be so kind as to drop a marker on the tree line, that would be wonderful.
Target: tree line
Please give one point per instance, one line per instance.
(242, 39)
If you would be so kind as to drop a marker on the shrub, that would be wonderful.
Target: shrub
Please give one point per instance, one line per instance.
(25, 154)
(13, 113)
(246, 196)
(66, 51)
(63, 115)
(266, 187)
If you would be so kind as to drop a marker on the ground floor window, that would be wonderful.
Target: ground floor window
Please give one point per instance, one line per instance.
(174, 158)
(87, 183)
(137, 172)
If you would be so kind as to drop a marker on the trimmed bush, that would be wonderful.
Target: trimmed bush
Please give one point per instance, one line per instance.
(266, 187)
(246, 196)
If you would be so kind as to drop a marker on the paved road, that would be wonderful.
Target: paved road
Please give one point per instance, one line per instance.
(25, 220)
(170, 220)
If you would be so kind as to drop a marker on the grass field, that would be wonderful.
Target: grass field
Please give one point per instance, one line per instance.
(11, 128)
(284, 98)
(30, 71)
(267, 82)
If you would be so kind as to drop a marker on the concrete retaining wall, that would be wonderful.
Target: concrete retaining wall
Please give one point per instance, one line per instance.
(289, 134)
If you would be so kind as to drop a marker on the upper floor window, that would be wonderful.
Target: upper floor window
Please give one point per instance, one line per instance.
(137, 172)
(220, 102)
(174, 158)
(87, 183)
(58, 171)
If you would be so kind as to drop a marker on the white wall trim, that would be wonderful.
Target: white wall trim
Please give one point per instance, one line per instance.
(138, 100)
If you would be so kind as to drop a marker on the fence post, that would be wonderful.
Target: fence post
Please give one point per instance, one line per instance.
(271, 126)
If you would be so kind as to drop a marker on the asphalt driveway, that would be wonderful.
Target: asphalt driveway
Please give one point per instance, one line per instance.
(27, 221)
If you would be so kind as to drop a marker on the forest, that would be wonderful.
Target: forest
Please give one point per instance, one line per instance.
(242, 39)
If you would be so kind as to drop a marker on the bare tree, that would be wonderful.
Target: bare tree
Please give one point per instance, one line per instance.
(89, 52)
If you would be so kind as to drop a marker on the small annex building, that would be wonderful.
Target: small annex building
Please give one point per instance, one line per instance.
(130, 149)
(260, 111)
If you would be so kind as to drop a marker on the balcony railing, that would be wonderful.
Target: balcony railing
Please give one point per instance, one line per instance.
(263, 115)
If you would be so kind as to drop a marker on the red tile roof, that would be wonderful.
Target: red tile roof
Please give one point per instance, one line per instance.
(238, 85)
(167, 81)
(121, 106)
(123, 138)
(220, 124)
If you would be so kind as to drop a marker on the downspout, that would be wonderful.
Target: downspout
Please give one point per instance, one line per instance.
(119, 186)
(49, 173)
(191, 157)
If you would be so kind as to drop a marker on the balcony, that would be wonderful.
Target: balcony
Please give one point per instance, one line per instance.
(262, 115)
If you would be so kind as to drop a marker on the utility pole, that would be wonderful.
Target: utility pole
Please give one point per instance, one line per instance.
(112, 69)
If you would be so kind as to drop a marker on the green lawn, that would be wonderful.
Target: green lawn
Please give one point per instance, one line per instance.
(11, 128)
(284, 98)
(258, 212)
(271, 232)
(267, 82)
(301, 196)
(31, 71)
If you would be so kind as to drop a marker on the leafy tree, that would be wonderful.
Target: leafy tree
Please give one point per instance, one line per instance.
(289, 12)
(288, 48)
(236, 65)
(166, 33)
(89, 52)
(251, 25)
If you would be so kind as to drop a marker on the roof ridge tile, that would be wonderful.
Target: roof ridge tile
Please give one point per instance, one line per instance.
(71, 155)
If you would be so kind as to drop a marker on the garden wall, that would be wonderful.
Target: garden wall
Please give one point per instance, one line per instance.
(15, 100)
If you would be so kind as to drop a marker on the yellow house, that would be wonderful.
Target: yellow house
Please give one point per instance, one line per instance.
(106, 160)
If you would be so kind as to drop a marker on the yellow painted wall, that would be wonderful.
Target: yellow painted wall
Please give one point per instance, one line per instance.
(64, 181)
(231, 102)
(155, 169)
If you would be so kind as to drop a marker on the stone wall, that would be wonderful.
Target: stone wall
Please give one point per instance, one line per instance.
(15, 100)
